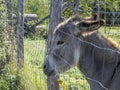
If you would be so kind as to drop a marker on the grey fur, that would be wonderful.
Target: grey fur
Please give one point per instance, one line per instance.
(77, 42)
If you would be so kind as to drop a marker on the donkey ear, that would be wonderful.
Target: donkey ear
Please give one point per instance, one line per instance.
(93, 17)
(88, 26)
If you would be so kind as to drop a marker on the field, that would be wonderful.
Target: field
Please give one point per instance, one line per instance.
(34, 55)
(33, 77)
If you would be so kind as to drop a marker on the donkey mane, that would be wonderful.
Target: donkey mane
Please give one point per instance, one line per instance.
(109, 40)
(113, 43)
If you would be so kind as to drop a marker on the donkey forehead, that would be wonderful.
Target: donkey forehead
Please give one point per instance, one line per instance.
(65, 30)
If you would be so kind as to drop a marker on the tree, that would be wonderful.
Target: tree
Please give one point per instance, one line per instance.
(55, 16)
(36, 7)
(20, 33)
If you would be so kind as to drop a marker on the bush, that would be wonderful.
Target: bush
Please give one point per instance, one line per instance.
(10, 78)
(37, 33)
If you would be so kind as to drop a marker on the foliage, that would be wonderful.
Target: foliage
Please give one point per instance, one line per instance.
(108, 11)
(39, 7)
(34, 7)
(105, 5)
(2, 25)
(41, 31)
(38, 32)
(9, 75)
(89, 6)
(67, 12)
(3, 44)
(10, 78)
(86, 7)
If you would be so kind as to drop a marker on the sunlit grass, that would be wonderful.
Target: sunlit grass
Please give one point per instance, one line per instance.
(112, 32)
(32, 71)
(73, 79)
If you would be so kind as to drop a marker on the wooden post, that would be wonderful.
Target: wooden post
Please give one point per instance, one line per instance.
(9, 10)
(9, 32)
(20, 33)
(55, 16)
(98, 8)
(76, 7)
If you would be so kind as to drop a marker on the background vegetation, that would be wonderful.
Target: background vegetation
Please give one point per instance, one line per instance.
(31, 76)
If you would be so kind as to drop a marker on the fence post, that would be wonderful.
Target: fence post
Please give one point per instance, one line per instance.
(9, 32)
(76, 7)
(98, 8)
(9, 11)
(55, 16)
(20, 33)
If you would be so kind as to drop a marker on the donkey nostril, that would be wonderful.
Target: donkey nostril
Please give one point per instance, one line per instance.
(45, 67)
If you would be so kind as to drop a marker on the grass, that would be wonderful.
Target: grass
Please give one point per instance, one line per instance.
(33, 76)
(32, 71)
(112, 32)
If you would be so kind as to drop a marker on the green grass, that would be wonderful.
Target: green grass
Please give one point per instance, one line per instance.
(32, 71)
(74, 80)
(33, 76)
(112, 32)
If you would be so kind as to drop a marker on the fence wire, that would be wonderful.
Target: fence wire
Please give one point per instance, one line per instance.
(31, 76)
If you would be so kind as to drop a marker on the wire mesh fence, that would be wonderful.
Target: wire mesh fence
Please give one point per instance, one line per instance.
(31, 76)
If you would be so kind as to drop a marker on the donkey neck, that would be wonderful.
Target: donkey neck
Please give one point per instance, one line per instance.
(98, 46)
(97, 62)
(101, 48)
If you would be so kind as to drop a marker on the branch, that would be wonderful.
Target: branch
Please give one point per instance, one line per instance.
(41, 21)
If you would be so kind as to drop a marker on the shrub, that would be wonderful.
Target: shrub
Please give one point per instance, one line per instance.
(10, 78)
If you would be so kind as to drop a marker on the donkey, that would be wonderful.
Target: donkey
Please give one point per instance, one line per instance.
(77, 42)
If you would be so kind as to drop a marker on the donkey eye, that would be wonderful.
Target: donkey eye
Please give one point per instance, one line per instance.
(60, 42)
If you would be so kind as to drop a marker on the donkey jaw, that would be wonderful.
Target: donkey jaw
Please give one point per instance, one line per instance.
(51, 73)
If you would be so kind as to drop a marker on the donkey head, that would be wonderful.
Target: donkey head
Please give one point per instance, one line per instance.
(66, 48)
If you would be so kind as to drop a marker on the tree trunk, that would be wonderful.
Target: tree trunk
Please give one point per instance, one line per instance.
(76, 7)
(9, 32)
(20, 33)
(55, 16)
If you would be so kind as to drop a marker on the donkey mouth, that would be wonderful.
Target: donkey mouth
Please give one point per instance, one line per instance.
(50, 73)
